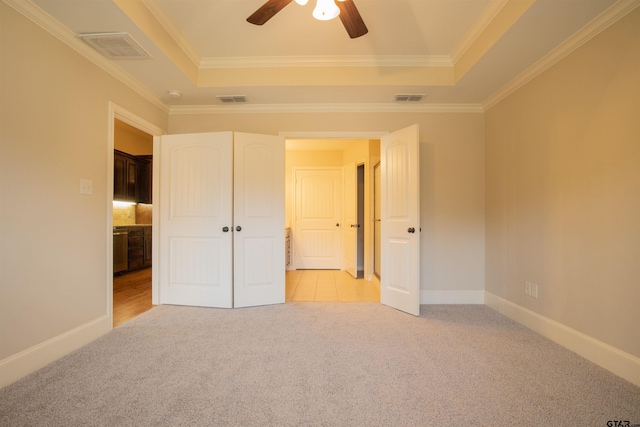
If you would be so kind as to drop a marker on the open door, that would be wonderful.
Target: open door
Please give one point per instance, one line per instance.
(259, 253)
(350, 229)
(196, 178)
(400, 220)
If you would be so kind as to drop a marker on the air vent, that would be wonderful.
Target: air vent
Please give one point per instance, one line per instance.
(115, 45)
(407, 98)
(232, 98)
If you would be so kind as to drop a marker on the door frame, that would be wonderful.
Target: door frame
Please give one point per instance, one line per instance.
(117, 112)
(342, 135)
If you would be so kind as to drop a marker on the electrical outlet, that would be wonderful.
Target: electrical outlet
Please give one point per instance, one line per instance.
(531, 289)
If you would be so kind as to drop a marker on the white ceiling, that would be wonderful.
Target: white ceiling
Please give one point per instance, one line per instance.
(455, 52)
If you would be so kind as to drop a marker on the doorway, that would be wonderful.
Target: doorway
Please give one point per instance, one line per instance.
(130, 170)
(352, 160)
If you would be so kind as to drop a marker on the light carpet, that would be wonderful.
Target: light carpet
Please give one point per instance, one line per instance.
(320, 364)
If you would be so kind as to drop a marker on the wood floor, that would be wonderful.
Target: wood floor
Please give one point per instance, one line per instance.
(132, 291)
(131, 295)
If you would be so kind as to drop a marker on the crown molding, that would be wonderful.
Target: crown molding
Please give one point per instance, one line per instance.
(603, 21)
(328, 61)
(163, 18)
(62, 33)
(324, 108)
(487, 16)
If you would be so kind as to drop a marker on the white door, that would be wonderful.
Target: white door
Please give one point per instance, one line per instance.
(316, 236)
(400, 225)
(350, 229)
(259, 253)
(376, 220)
(195, 197)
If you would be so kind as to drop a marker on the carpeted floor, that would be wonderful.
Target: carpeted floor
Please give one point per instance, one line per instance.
(320, 364)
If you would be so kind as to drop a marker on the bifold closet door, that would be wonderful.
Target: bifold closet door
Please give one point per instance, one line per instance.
(258, 247)
(196, 243)
(221, 204)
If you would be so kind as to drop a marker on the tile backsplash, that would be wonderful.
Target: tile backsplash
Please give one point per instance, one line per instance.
(132, 215)
(124, 215)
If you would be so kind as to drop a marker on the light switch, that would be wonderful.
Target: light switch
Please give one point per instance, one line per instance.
(86, 186)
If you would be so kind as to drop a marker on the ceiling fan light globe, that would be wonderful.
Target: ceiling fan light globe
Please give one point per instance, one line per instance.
(302, 2)
(325, 10)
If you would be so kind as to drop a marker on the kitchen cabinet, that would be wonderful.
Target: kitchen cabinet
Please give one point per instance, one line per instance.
(132, 247)
(131, 178)
(136, 247)
(145, 179)
(147, 243)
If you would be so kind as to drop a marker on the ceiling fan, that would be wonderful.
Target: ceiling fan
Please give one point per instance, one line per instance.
(325, 10)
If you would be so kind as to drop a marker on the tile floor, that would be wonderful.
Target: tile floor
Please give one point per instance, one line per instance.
(330, 285)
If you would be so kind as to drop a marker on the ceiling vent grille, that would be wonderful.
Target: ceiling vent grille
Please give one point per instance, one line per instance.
(115, 45)
(232, 98)
(407, 98)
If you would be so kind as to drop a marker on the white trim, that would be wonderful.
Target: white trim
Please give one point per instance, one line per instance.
(325, 108)
(327, 61)
(589, 31)
(62, 33)
(136, 121)
(21, 364)
(451, 297)
(486, 17)
(332, 135)
(604, 355)
(178, 36)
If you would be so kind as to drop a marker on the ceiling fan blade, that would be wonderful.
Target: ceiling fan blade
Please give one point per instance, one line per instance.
(351, 19)
(267, 11)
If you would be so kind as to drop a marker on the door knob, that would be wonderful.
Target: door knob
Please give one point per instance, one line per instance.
(411, 230)
(238, 228)
(225, 229)
(355, 226)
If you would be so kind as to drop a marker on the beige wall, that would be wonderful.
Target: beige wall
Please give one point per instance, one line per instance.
(53, 132)
(563, 190)
(452, 179)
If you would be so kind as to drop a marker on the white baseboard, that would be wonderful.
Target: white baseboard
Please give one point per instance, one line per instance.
(21, 364)
(451, 297)
(604, 355)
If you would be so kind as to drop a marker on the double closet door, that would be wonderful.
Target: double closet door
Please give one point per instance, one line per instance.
(221, 210)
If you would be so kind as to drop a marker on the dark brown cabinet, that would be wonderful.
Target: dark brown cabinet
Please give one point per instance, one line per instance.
(147, 246)
(131, 178)
(145, 179)
(136, 247)
(138, 241)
